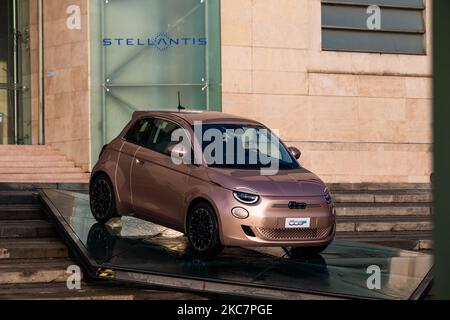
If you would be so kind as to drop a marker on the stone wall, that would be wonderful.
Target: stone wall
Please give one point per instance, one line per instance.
(67, 103)
(358, 117)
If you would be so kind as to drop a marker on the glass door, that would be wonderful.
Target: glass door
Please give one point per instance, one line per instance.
(5, 72)
(143, 52)
(24, 124)
(15, 104)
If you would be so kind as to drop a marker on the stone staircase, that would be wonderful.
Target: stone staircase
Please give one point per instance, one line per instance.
(396, 215)
(34, 259)
(37, 164)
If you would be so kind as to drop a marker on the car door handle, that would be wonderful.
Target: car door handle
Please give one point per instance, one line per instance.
(140, 162)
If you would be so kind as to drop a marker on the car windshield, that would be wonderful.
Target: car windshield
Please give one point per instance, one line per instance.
(243, 147)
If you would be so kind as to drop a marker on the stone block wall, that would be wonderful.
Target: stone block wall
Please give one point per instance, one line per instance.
(357, 117)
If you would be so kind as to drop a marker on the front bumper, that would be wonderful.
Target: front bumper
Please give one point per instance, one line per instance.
(265, 225)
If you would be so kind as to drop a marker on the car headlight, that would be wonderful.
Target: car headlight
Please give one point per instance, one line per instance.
(246, 198)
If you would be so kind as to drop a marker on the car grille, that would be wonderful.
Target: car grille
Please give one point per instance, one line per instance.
(294, 234)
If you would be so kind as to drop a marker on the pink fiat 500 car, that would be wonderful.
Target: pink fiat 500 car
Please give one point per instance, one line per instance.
(231, 201)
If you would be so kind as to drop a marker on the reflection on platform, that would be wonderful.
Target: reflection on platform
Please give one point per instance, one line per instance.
(132, 244)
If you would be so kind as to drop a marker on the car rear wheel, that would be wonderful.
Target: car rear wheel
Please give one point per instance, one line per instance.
(203, 231)
(103, 205)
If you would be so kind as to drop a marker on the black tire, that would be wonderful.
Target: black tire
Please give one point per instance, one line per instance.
(102, 200)
(203, 231)
(100, 243)
(305, 252)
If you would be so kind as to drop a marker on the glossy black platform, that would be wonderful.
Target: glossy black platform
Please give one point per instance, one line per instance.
(141, 252)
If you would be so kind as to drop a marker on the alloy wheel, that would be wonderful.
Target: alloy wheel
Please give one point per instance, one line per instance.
(201, 229)
(101, 198)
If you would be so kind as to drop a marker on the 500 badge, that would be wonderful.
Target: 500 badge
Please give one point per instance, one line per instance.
(298, 223)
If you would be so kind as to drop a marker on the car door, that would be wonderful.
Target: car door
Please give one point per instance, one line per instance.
(158, 184)
(131, 144)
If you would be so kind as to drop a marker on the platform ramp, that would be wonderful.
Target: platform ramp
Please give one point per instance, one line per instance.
(136, 251)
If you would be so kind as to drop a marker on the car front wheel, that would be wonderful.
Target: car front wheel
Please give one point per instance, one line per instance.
(203, 231)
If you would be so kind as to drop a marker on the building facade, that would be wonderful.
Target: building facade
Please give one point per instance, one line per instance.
(346, 82)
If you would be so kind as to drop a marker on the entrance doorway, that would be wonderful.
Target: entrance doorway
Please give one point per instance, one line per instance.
(15, 96)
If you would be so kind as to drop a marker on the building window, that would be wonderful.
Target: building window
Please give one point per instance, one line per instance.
(401, 27)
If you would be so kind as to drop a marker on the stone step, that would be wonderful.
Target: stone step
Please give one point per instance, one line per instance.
(52, 181)
(25, 158)
(30, 187)
(384, 223)
(382, 197)
(26, 229)
(9, 196)
(100, 291)
(21, 212)
(30, 152)
(32, 248)
(412, 235)
(407, 240)
(15, 271)
(5, 147)
(59, 291)
(37, 164)
(383, 209)
(378, 186)
(45, 177)
(43, 170)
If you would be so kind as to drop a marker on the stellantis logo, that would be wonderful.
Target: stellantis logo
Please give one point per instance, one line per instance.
(161, 42)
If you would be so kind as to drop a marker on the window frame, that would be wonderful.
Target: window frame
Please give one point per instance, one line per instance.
(133, 127)
(154, 130)
(423, 34)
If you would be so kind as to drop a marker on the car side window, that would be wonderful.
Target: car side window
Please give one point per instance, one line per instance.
(161, 138)
(140, 131)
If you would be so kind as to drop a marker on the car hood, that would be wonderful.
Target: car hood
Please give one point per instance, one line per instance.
(287, 183)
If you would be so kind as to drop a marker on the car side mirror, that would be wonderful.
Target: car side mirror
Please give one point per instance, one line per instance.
(296, 153)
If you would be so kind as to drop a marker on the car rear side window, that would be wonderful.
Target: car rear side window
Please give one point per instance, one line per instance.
(161, 138)
(140, 132)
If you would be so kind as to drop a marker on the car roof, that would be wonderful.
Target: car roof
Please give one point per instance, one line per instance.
(196, 116)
